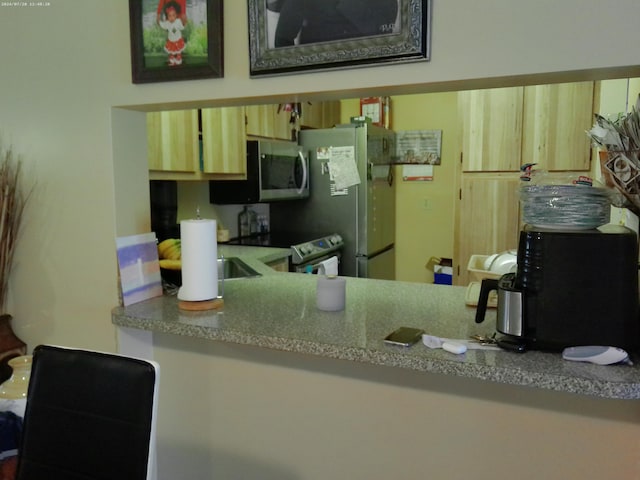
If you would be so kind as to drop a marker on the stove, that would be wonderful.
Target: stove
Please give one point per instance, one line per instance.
(304, 248)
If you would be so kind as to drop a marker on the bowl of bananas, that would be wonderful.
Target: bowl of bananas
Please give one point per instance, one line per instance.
(169, 256)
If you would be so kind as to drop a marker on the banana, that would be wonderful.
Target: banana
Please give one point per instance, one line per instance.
(171, 264)
(173, 253)
(163, 245)
(166, 245)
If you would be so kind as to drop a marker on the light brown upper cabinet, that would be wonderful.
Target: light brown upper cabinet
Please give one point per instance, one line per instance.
(172, 141)
(504, 128)
(269, 121)
(491, 129)
(555, 120)
(320, 114)
(176, 153)
(274, 121)
(224, 146)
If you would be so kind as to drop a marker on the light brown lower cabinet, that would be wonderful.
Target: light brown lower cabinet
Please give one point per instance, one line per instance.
(489, 218)
(280, 265)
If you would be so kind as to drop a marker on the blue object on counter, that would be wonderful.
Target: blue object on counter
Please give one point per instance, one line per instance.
(443, 279)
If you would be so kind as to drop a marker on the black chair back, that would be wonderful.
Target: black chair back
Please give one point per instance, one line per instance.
(89, 415)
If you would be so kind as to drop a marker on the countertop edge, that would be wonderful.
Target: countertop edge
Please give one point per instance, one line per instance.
(510, 376)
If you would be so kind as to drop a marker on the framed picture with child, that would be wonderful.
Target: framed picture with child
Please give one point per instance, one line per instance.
(175, 40)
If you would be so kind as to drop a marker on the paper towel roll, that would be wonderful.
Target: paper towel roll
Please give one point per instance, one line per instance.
(331, 293)
(199, 257)
(328, 266)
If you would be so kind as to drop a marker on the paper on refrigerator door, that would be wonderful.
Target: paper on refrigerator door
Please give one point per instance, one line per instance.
(342, 167)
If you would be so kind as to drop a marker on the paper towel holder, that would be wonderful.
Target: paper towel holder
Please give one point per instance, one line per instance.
(201, 305)
(212, 304)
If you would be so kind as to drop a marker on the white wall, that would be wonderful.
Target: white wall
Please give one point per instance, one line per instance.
(59, 89)
(65, 66)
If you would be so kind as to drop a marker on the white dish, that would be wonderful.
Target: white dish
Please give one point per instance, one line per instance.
(562, 226)
(565, 207)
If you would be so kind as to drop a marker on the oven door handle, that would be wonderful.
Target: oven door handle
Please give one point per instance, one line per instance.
(303, 161)
(317, 263)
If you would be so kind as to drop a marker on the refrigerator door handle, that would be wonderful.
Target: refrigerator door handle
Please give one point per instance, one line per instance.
(385, 145)
(390, 175)
(369, 170)
(303, 161)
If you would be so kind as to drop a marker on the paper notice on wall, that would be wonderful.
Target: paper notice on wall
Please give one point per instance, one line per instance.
(342, 167)
(417, 173)
(419, 146)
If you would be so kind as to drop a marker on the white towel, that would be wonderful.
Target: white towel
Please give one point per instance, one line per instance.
(328, 266)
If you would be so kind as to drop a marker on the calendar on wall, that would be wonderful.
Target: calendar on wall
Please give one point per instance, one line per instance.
(377, 109)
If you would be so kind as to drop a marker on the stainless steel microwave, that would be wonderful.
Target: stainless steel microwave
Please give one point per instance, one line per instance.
(276, 171)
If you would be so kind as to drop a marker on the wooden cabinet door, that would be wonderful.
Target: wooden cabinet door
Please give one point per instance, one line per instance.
(491, 129)
(312, 115)
(282, 126)
(172, 141)
(555, 120)
(330, 114)
(224, 146)
(320, 114)
(488, 217)
(269, 121)
(260, 121)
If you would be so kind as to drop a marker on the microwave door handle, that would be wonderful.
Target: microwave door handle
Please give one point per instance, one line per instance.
(304, 172)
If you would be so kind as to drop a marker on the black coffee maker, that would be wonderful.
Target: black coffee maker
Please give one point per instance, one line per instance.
(570, 288)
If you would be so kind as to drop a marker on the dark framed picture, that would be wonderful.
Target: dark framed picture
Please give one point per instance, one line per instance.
(288, 36)
(175, 40)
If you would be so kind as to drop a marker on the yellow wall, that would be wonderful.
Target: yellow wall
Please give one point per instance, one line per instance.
(424, 210)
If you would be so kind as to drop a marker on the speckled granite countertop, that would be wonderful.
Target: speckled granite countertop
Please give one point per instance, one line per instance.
(278, 311)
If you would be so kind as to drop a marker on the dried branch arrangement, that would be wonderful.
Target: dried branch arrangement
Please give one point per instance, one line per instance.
(13, 199)
(619, 135)
(619, 141)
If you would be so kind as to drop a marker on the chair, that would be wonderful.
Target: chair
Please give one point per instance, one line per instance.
(89, 416)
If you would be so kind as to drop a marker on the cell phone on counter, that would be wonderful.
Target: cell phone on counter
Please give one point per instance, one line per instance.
(404, 336)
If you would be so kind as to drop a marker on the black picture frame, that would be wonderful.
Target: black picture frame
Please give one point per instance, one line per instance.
(146, 59)
(408, 42)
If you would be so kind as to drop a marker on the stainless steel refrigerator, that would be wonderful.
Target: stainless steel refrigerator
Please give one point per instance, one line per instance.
(363, 214)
